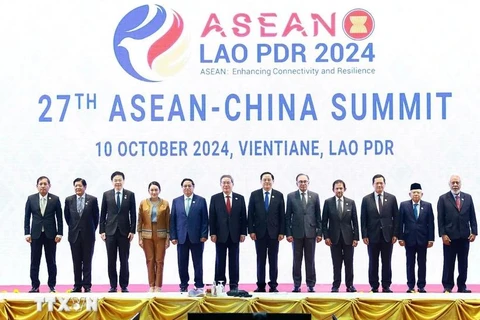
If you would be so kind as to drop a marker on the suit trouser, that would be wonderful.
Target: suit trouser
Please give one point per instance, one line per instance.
(342, 254)
(122, 244)
(233, 262)
(420, 251)
(301, 246)
(266, 246)
(155, 249)
(183, 251)
(50, 247)
(384, 249)
(82, 253)
(458, 248)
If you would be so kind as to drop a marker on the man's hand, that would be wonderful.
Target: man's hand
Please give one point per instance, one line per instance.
(103, 236)
(354, 243)
(58, 239)
(203, 239)
(328, 242)
(472, 237)
(446, 240)
(130, 236)
(213, 238)
(394, 239)
(28, 239)
(430, 244)
(174, 242)
(401, 242)
(253, 236)
(280, 237)
(365, 240)
(290, 239)
(242, 238)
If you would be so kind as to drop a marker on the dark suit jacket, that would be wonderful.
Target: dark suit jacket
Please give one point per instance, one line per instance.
(195, 225)
(87, 223)
(223, 224)
(51, 221)
(416, 231)
(112, 219)
(262, 222)
(332, 224)
(451, 222)
(377, 226)
(300, 222)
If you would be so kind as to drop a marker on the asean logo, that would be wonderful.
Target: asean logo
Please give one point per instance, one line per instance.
(358, 24)
(150, 43)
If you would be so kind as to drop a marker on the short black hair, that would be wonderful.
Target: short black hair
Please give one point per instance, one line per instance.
(187, 179)
(266, 172)
(302, 174)
(226, 176)
(83, 181)
(378, 175)
(339, 181)
(117, 173)
(41, 178)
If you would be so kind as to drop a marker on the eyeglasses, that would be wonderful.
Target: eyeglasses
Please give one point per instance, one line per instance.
(187, 186)
(302, 181)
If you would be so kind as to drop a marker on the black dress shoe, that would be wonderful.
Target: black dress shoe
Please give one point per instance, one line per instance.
(260, 290)
(183, 289)
(374, 290)
(87, 290)
(76, 289)
(273, 290)
(447, 290)
(34, 290)
(112, 289)
(311, 289)
(351, 289)
(464, 291)
(422, 290)
(297, 289)
(125, 290)
(52, 289)
(409, 290)
(386, 290)
(334, 289)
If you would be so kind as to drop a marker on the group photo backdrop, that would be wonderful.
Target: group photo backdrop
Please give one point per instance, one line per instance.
(175, 89)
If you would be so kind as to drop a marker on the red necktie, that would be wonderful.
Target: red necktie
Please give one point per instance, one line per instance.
(229, 205)
(457, 201)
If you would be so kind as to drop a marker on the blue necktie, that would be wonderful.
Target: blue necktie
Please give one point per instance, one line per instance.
(267, 202)
(80, 205)
(187, 207)
(415, 210)
(118, 200)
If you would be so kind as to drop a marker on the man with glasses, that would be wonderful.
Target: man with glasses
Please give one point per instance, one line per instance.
(189, 230)
(228, 228)
(304, 230)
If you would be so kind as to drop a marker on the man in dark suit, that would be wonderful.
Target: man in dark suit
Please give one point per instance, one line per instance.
(340, 229)
(416, 234)
(228, 227)
(118, 218)
(304, 229)
(457, 225)
(379, 223)
(189, 229)
(44, 210)
(266, 226)
(82, 214)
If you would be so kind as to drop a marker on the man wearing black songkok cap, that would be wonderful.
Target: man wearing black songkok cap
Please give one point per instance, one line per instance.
(416, 234)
